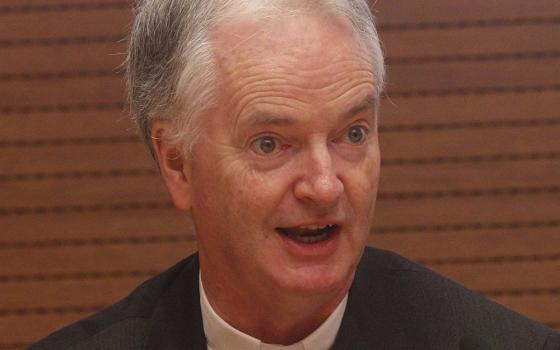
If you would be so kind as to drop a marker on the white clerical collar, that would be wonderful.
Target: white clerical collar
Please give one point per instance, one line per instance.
(220, 335)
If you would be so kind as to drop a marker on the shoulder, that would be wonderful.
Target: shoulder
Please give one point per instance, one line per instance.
(428, 307)
(124, 325)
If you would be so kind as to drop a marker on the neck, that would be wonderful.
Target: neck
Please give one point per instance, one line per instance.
(274, 318)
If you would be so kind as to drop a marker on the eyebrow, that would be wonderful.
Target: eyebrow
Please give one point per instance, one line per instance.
(258, 119)
(368, 102)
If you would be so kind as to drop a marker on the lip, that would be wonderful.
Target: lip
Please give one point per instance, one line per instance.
(312, 250)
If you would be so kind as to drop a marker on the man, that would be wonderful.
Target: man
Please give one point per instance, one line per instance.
(263, 118)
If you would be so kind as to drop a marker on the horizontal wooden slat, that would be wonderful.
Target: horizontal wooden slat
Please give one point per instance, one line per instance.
(95, 56)
(115, 257)
(92, 225)
(475, 209)
(74, 158)
(465, 142)
(64, 24)
(483, 175)
(85, 124)
(414, 11)
(73, 292)
(469, 41)
(473, 74)
(453, 109)
(83, 90)
(471, 245)
(85, 191)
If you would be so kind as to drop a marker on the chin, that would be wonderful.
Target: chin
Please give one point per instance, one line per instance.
(316, 279)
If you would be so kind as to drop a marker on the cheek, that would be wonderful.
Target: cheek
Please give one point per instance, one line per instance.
(362, 182)
(250, 192)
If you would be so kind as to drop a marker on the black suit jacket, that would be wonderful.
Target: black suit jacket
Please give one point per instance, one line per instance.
(393, 304)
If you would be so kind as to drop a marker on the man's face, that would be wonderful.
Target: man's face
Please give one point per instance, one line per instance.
(284, 177)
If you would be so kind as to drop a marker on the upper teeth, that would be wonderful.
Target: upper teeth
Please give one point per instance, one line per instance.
(314, 227)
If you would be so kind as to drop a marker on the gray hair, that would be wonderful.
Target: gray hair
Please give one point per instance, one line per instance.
(170, 66)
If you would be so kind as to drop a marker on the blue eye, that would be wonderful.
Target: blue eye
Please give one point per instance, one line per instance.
(356, 134)
(267, 144)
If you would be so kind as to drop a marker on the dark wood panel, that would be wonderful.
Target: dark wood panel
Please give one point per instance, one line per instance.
(473, 74)
(455, 210)
(482, 245)
(103, 258)
(469, 108)
(105, 191)
(413, 11)
(95, 157)
(56, 58)
(59, 125)
(467, 142)
(51, 24)
(139, 224)
(482, 175)
(88, 90)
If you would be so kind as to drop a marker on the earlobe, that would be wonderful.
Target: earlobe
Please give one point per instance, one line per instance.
(172, 166)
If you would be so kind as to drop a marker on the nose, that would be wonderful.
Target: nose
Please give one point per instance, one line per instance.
(319, 183)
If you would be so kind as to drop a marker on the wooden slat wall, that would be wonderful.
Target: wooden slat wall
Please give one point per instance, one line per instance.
(470, 139)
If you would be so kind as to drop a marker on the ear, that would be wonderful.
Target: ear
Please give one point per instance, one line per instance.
(172, 166)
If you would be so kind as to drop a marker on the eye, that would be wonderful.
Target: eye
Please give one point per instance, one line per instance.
(265, 145)
(356, 134)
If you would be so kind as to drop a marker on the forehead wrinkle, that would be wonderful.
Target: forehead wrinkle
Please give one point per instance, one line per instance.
(252, 100)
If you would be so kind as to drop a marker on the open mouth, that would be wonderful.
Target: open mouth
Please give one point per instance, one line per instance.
(309, 234)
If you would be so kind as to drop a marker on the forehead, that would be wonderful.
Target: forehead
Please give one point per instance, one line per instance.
(308, 49)
(309, 69)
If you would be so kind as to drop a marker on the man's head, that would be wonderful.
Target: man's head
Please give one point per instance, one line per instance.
(282, 174)
(171, 70)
